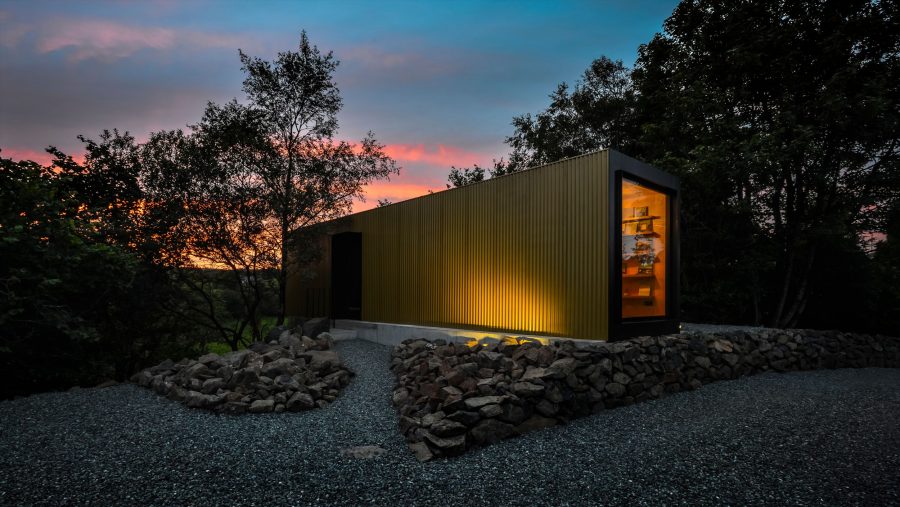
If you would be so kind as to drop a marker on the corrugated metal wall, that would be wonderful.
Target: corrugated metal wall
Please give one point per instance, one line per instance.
(521, 253)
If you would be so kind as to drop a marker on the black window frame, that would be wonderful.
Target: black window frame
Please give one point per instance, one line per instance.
(623, 167)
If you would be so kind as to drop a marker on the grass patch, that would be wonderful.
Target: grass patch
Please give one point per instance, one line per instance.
(266, 323)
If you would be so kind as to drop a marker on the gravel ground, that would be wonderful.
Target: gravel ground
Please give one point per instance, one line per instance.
(826, 437)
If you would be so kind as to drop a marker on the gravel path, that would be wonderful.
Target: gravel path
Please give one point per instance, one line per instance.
(827, 437)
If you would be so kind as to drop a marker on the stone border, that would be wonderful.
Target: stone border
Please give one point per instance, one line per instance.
(453, 397)
(293, 373)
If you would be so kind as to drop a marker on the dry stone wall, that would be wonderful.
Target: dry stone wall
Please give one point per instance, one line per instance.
(292, 373)
(454, 397)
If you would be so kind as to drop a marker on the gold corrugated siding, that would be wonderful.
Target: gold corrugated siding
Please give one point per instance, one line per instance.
(521, 253)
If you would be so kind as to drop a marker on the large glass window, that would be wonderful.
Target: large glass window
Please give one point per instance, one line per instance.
(645, 214)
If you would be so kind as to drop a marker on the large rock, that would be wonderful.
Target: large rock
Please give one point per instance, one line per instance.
(261, 406)
(465, 417)
(561, 368)
(275, 333)
(449, 446)
(282, 366)
(447, 428)
(244, 378)
(527, 389)
(210, 386)
(322, 360)
(533, 373)
(480, 401)
(300, 401)
(196, 400)
(490, 431)
(421, 450)
(535, 423)
(615, 389)
(314, 327)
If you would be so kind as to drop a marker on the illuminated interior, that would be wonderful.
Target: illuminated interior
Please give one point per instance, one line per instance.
(645, 216)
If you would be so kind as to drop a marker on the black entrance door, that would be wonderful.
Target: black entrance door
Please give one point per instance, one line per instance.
(346, 275)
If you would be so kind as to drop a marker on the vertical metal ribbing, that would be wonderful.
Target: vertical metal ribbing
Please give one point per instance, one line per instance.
(524, 253)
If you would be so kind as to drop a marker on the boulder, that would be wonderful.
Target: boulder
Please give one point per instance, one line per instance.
(275, 333)
(527, 389)
(615, 389)
(261, 406)
(142, 378)
(480, 401)
(512, 414)
(300, 401)
(447, 428)
(489, 411)
(210, 386)
(282, 366)
(465, 417)
(244, 378)
(432, 418)
(285, 381)
(535, 423)
(547, 408)
(561, 368)
(449, 446)
(314, 327)
(197, 400)
(421, 450)
(290, 341)
(322, 360)
(490, 431)
(533, 373)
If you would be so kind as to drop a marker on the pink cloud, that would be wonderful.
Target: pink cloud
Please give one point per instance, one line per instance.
(440, 154)
(394, 191)
(41, 157)
(86, 39)
(102, 39)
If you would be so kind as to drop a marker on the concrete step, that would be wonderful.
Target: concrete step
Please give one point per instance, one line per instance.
(338, 334)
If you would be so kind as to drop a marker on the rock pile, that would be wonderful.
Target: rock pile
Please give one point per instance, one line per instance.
(452, 397)
(293, 373)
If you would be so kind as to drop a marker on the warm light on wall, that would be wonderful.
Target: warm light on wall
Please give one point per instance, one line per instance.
(486, 340)
(504, 301)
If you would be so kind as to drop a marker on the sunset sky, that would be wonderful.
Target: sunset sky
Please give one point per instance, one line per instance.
(437, 82)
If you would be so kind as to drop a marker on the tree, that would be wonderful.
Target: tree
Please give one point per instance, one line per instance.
(208, 186)
(782, 121)
(596, 114)
(75, 306)
(465, 175)
(789, 111)
(312, 178)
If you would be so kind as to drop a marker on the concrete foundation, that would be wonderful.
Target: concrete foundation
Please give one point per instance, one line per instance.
(393, 334)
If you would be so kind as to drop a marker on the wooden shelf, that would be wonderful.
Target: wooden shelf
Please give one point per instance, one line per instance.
(636, 297)
(639, 275)
(640, 219)
(650, 234)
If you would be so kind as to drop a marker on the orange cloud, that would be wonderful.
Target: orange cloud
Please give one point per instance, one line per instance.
(441, 154)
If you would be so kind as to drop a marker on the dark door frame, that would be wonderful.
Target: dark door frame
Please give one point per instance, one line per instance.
(346, 276)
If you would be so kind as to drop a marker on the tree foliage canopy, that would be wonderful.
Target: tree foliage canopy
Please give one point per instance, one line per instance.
(782, 120)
